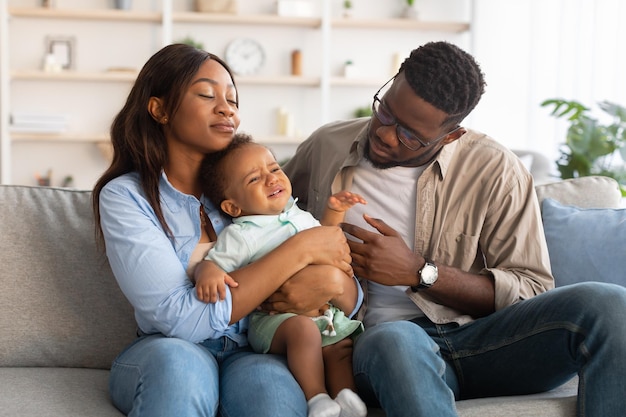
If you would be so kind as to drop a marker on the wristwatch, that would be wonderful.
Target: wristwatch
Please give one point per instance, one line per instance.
(428, 276)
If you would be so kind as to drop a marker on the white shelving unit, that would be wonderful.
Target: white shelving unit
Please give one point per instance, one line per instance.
(319, 89)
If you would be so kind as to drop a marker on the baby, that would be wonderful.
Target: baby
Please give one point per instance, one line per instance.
(247, 183)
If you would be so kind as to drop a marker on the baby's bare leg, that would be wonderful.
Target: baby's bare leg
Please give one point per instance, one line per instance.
(339, 378)
(299, 339)
(338, 366)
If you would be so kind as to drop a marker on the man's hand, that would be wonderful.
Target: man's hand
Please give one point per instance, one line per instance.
(382, 257)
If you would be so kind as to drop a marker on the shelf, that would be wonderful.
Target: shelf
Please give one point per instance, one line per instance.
(103, 138)
(356, 82)
(102, 141)
(403, 24)
(129, 76)
(279, 140)
(86, 14)
(277, 80)
(38, 75)
(60, 137)
(242, 19)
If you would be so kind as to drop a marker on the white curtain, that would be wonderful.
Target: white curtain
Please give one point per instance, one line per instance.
(532, 50)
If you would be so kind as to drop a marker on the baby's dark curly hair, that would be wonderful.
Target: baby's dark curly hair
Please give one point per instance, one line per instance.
(213, 172)
(446, 77)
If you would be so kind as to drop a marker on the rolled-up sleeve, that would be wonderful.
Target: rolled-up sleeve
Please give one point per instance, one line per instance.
(148, 268)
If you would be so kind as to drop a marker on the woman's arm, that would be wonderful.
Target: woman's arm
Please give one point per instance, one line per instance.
(314, 286)
(260, 279)
(148, 266)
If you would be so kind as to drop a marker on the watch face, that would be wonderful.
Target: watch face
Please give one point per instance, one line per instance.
(429, 274)
(245, 56)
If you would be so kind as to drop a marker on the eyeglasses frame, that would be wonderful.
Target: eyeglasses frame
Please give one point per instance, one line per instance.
(422, 143)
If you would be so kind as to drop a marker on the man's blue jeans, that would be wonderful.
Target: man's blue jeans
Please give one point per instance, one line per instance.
(418, 368)
(158, 376)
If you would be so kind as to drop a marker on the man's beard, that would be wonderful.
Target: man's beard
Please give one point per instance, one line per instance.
(388, 164)
(414, 162)
(377, 165)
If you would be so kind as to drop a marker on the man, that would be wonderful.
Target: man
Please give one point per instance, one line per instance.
(452, 256)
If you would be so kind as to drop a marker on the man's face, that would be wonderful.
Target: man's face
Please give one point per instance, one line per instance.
(405, 112)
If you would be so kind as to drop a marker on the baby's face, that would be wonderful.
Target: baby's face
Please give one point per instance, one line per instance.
(257, 183)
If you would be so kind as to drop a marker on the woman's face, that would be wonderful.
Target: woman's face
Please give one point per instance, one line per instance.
(208, 115)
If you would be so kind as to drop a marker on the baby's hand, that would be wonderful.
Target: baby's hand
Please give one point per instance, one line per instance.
(344, 200)
(211, 284)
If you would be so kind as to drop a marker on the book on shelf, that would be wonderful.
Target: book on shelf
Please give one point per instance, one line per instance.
(38, 123)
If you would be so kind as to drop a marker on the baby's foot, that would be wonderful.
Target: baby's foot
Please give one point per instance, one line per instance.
(351, 404)
(322, 405)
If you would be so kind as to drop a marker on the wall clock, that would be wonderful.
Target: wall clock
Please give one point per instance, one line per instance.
(245, 56)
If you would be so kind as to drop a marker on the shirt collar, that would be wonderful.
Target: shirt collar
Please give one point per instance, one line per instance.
(176, 201)
(445, 156)
(261, 220)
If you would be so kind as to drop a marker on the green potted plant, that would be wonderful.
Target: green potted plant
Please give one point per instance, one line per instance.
(347, 8)
(591, 147)
(364, 111)
(188, 40)
(410, 11)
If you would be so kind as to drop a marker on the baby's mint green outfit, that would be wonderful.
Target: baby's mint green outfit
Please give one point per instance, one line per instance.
(247, 239)
(263, 326)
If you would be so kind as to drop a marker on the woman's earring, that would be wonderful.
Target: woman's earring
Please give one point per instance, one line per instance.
(164, 120)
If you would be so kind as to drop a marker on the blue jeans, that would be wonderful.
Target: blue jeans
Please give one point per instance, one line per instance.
(158, 376)
(418, 368)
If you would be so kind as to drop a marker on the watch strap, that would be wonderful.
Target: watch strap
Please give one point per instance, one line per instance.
(422, 285)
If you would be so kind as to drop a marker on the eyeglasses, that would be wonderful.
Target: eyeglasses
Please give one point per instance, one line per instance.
(405, 136)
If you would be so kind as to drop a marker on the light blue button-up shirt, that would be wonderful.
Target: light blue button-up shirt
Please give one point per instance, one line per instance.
(150, 267)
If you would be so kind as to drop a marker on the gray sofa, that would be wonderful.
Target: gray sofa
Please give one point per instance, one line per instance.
(64, 319)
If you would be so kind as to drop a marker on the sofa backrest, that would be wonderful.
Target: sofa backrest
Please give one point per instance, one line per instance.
(59, 302)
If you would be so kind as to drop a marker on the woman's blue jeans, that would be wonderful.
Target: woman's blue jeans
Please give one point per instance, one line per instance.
(418, 368)
(158, 376)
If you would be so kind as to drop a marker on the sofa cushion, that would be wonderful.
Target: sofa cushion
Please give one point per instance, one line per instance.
(54, 392)
(585, 192)
(60, 304)
(585, 244)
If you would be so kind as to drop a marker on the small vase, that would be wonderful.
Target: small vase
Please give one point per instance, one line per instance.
(123, 4)
(410, 12)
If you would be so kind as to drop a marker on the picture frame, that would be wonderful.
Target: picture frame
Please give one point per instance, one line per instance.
(62, 48)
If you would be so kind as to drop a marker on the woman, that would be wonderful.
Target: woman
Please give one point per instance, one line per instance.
(192, 358)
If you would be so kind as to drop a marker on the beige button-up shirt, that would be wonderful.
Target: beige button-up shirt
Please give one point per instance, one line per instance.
(477, 209)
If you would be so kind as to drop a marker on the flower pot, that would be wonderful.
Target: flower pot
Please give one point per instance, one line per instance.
(216, 6)
(123, 4)
(410, 12)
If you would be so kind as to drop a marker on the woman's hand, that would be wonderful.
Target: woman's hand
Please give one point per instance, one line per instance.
(313, 286)
(324, 245)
